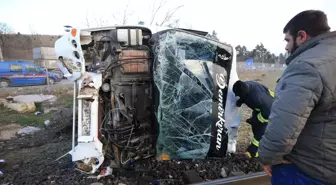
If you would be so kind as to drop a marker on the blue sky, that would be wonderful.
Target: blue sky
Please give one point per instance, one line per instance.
(236, 21)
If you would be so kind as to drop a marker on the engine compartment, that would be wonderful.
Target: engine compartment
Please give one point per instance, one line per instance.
(126, 100)
(143, 95)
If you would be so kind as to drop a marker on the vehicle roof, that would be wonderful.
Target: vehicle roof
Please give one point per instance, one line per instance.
(153, 29)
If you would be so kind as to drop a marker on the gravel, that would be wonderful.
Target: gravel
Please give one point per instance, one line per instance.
(32, 160)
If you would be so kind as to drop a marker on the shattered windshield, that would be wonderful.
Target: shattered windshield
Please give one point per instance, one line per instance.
(185, 71)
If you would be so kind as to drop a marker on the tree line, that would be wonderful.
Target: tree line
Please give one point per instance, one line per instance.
(259, 54)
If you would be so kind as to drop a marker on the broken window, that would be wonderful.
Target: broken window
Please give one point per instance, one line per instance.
(191, 76)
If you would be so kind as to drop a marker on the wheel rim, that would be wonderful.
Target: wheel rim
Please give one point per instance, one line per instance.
(4, 84)
(51, 81)
(59, 73)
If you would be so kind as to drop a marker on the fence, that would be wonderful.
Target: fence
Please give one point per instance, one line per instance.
(241, 66)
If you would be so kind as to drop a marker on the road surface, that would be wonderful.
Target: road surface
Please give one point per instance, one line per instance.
(62, 84)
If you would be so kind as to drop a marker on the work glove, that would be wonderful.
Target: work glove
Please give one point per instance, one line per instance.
(252, 151)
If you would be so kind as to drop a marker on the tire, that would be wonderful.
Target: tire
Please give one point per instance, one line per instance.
(4, 83)
(59, 72)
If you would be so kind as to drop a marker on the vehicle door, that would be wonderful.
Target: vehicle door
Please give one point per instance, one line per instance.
(16, 75)
(34, 75)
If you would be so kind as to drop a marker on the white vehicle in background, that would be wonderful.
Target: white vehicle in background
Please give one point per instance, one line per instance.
(166, 94)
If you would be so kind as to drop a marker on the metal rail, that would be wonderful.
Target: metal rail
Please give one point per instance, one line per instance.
(260, 178)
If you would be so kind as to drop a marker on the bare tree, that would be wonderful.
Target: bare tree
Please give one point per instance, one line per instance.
(5, 28)
(100, 22)
(155, 10)
(96, 22)
(169, 16)
(124, 16)
(87, 22)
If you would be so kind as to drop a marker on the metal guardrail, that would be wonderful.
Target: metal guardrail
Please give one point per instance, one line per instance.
(260, 178)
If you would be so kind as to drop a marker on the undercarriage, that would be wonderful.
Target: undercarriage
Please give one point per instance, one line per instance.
(139, 95)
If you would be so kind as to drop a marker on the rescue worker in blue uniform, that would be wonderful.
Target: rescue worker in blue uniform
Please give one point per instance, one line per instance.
(259, 98)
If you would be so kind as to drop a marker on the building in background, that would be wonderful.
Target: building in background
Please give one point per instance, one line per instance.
(35, 48)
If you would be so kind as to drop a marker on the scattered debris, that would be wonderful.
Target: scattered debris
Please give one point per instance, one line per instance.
(29, 103)
(34, 98)
(47, 110)
(9, 131)
(10, 99)
(105, 172)
(38, 113)
(22, 107)
(223, 173)
(47, 122)
(1, 161)
(34, 161)
(28, 130)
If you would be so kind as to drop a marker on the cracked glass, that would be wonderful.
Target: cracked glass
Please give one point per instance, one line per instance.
(190, 99)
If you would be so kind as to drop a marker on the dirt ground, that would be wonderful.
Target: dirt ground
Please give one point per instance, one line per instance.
(32, 160)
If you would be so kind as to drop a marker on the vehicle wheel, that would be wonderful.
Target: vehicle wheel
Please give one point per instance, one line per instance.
(59, 72)
(51, 81)
(4, 83)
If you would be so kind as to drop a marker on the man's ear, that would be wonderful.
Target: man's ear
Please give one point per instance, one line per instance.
(302, 37)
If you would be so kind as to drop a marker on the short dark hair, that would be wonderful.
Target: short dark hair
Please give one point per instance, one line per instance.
(313, 22)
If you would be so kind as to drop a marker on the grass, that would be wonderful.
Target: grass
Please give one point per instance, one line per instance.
(8, 116)
(67, 101)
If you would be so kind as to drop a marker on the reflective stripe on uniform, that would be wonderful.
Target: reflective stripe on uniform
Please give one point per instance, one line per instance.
(261, 118)
(248, 154)
(255, 142)
(271, 93)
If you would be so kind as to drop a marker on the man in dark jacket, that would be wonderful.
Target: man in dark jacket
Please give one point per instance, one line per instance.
(258, 98)
(299, 144)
